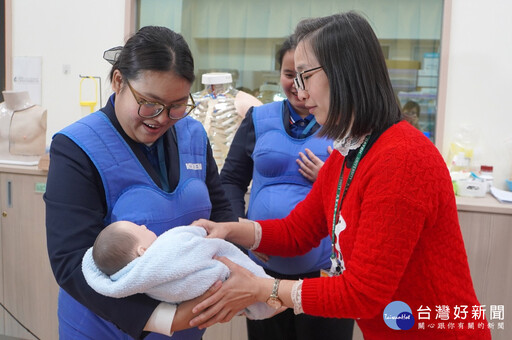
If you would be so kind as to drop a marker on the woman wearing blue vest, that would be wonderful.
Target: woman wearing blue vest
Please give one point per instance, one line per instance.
(139, 159)
(277, 148)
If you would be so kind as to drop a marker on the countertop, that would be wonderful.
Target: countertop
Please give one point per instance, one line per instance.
(487, 204)
(22, 169)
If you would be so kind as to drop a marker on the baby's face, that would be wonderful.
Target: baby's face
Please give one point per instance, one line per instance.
(143, 234)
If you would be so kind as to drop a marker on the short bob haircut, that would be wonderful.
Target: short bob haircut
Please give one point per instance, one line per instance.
(361, 96)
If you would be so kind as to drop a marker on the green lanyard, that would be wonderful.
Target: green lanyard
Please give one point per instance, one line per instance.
(340, 182)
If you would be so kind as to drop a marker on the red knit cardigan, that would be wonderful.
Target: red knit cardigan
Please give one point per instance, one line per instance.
(402, 242)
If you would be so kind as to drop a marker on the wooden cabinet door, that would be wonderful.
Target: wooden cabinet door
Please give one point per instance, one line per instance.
(2, 313)
(487, 238)
(29, 288)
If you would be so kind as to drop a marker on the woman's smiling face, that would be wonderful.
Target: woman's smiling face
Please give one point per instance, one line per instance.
(162, 87)
(287, 76)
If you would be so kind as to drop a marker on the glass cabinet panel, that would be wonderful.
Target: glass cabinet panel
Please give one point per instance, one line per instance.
(242, 37)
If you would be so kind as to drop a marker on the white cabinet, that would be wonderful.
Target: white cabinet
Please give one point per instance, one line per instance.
(29, 290)
(486, 226)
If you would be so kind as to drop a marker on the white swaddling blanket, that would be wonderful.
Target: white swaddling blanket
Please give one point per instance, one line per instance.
(178, 266)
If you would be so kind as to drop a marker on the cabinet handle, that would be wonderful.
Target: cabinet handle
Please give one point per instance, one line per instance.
(9, 194)
(4, 214)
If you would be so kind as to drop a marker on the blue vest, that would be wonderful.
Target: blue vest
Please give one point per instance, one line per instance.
(278, 186)
(132, 195)
(130, 192)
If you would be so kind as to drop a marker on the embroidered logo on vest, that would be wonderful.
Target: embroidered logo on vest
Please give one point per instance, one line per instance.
(194, 166)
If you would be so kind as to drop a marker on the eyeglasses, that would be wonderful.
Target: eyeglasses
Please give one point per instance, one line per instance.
(153, 109)
(298, 81)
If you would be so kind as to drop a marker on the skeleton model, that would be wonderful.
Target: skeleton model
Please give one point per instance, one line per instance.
(220, 111)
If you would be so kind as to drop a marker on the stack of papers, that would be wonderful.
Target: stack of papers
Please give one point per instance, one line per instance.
(502, 195)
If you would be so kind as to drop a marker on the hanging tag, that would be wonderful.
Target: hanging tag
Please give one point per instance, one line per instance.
(341, 266)
(337, 267)
(340, 226)
(332, 271)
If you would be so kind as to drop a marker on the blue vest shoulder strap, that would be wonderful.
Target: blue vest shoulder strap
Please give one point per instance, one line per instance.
(118, 166)
(268, 116)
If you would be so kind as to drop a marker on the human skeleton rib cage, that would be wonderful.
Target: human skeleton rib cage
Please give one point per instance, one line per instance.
(221, 108)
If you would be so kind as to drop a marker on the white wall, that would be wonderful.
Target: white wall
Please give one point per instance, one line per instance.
(73, 33)
(480, 81)
(479, 85)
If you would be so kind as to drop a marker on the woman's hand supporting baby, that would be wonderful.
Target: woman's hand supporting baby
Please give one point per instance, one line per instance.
(241, 233)
(241, 290)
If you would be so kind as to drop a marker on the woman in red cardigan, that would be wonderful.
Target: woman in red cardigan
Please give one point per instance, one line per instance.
(385, 197)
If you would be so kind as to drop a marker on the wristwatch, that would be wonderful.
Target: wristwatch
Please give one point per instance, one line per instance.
(274, 301)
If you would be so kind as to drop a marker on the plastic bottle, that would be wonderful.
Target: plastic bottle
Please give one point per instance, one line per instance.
(461, 150)
(508, 147)
(217, 112)
(486, 175)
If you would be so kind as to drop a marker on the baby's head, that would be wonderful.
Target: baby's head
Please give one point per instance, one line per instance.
(119, 244)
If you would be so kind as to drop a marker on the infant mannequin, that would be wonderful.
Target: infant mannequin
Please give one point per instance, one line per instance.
(119, 244)
(128, 259)
(22, 127)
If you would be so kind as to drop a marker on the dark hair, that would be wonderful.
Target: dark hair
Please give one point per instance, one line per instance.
(155, 48)
(360, 89)
(288, 45)
(113, 249)
(410, 117)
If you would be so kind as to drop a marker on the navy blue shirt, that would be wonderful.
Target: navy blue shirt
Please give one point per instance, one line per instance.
(300, 127)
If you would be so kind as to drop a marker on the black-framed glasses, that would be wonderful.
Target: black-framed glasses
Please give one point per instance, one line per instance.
(153, 109)
(298, 81)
